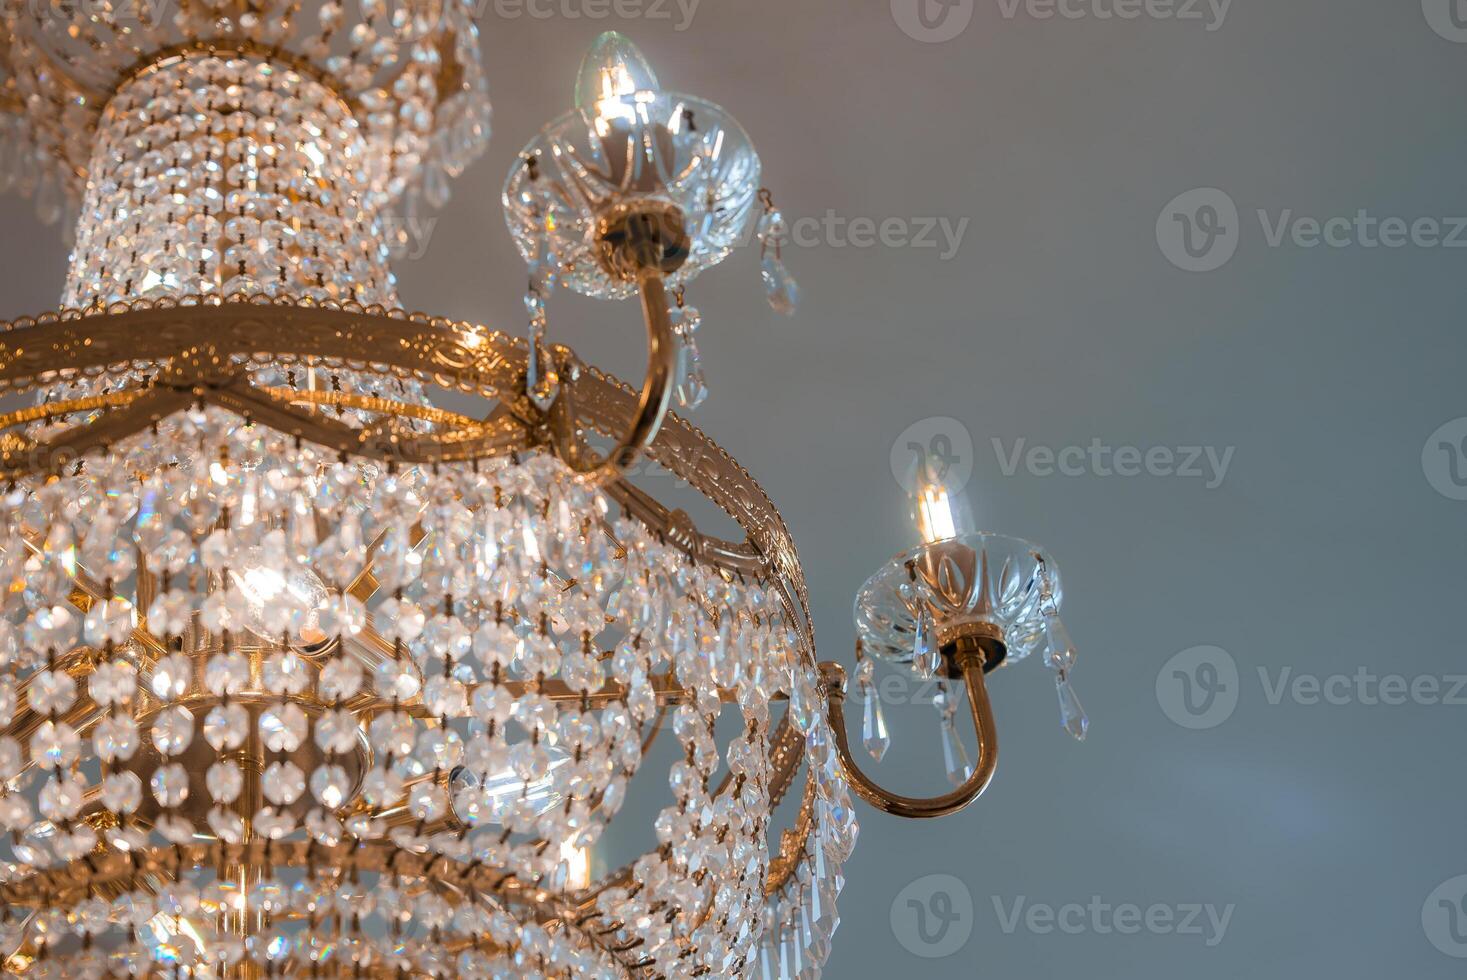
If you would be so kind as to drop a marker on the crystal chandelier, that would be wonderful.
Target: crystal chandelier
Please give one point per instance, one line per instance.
(302, 675)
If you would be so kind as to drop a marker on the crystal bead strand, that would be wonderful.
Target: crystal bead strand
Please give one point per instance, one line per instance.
(1059, 656)
(692, 386)
(780, 288)
(541, 382)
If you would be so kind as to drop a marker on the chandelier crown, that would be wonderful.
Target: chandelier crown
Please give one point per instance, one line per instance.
(408, 71)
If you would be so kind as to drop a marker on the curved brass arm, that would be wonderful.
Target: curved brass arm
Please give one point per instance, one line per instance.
(639, 240)
(662, 358)
(833, 681)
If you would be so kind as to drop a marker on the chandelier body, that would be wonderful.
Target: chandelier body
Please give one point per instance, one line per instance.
(300, 675)
(303, 675)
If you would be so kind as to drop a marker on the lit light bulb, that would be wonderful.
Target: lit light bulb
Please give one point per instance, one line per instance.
(614, 76)
(278, 599)
(578, 866)
(940, 507)
(500, 792)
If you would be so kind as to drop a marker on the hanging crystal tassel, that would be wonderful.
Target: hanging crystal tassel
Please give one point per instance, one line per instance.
(542, 383)
(692, 386)
(926, 656)
(769, 948)
(873, 721)
(954, 754)
(1059, 656)
(803, 701)
(780, 287)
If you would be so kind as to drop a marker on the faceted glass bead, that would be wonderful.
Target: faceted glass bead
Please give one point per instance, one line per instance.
(226, 726)
(225, 781)
(173, 730)
(171, 677)
(115, 737)
(170, 784)
(112, 683)
(282, 727)
(51, 692)
(283, 783)
(330, 786)
(55, 745)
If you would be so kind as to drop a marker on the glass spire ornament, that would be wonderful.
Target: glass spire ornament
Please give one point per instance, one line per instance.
(302, 675)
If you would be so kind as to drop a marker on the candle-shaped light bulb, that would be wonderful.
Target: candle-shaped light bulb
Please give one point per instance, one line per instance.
(613, 74)
(940, 507)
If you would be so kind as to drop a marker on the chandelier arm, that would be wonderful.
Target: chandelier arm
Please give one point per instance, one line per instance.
(833, 683)
(652, 405)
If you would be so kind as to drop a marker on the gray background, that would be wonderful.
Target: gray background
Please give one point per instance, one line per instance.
(1058, 321)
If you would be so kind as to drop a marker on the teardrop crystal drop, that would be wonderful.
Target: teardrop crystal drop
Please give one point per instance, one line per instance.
(692, 385)
(780, 288)
(926, 657)
(613, 69)
(802, 702)
(873, 725)
(1059, 653)
(954, 753)
(1072, 715)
